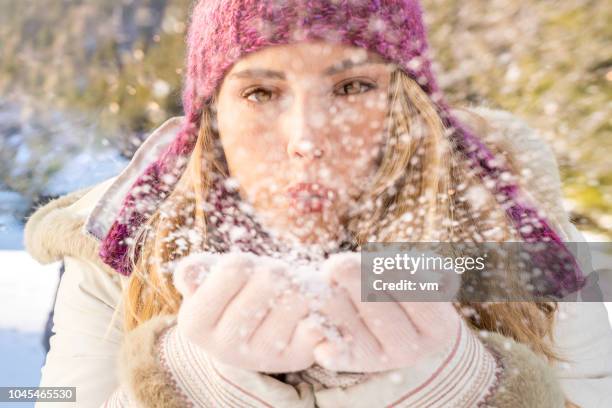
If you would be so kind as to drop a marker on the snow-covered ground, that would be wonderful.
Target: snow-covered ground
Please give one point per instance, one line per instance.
(21, 356)
(27, 290)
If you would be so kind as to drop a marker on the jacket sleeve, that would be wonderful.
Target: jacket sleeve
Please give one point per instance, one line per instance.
(87, 336)
(584, 338)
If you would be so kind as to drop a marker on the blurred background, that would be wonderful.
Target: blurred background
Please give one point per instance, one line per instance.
(82, 83)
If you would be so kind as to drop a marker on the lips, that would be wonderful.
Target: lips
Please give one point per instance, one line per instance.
(308, 198)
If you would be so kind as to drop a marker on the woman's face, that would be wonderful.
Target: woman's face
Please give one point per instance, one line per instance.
(302, 126)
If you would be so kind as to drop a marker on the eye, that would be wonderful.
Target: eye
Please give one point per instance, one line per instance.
(354, 87)
(258, 95)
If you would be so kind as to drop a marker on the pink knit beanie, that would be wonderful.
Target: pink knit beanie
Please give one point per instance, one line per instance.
(222, 31)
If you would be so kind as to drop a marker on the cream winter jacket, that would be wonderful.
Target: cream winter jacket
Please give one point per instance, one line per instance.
(89, 349)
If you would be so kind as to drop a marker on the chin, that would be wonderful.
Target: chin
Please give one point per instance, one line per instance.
(320, 233)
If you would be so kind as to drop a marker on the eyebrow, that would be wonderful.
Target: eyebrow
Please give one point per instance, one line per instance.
(332, 70)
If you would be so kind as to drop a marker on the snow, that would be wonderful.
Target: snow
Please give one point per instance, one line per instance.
(21, 358)
(27, 290)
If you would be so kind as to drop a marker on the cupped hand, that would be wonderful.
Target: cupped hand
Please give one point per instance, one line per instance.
(245, 312)
(380, 336)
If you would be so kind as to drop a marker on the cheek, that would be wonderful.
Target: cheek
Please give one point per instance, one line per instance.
(256, 159)
(359, 142)
(357, 165)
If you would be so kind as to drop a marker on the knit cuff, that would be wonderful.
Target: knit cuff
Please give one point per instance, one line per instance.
(464, 377)
(207, 383)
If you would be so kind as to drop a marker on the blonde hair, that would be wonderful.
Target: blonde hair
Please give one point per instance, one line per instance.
(420, 172)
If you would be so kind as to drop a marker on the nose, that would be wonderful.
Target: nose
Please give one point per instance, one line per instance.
(307, 127)
(305, 149)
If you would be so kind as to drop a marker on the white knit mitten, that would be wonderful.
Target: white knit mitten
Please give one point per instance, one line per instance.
(417, 353)
(247, 313)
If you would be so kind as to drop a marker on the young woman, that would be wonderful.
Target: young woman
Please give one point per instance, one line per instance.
(310, 128)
